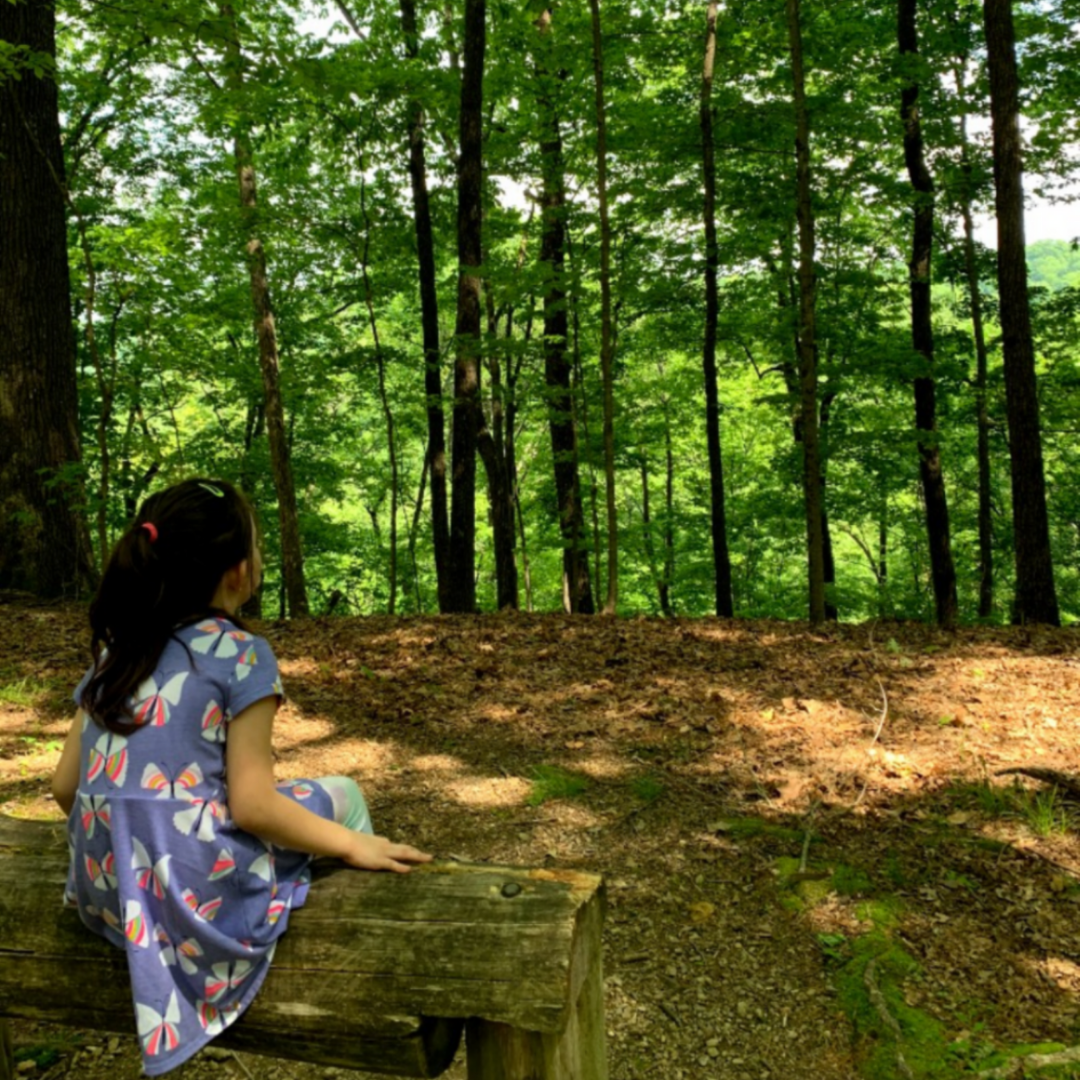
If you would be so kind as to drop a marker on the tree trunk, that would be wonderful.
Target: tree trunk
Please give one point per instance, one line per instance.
(1036, 599)
(384, 399)
(832, 613)
(606, 346)
(577, 588)
(495, 444)
(806, 334)
(721, 556)
(429, 319)
(922, 333)
(986, 532)
(292, 559)
(46, 543)
(462, 586)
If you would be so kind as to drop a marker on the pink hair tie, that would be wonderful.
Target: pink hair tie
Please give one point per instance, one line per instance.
(151, 528)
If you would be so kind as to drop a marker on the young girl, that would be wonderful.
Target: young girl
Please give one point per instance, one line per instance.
(184, 852)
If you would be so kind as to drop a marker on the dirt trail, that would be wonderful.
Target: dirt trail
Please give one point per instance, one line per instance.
(806, 846)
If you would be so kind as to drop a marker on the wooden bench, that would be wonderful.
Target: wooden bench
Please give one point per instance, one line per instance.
(380, 972)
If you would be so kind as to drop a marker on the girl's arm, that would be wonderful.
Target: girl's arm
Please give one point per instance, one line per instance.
(257, 806)
(65, 781)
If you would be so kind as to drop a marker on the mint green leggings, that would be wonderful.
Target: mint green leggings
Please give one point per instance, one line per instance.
(350, 807)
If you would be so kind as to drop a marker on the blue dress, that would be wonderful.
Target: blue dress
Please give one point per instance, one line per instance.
(157, 866)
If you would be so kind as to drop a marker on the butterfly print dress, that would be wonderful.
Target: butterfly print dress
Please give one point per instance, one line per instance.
(157, 866)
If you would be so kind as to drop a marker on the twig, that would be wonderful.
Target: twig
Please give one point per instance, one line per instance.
(670, 1013)
(878, 998)
(877, 734)
(243, 1068)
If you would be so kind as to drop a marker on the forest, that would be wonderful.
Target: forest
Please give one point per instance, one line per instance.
(698, 283)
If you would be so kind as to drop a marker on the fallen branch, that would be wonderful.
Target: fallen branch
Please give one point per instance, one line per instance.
(878, 998)
(1071, 784)
(1019, 1065)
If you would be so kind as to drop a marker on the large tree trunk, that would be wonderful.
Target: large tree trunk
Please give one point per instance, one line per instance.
(429, 320)
(462, 586)
(721, 556)
(292, 559)
(986, 532)
(606, 345)
(45, 546)
(1036, 599)
(922, 333)
(807, 314)
(577, 589)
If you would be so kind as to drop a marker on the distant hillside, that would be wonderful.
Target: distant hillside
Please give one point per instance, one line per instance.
(1054, 264)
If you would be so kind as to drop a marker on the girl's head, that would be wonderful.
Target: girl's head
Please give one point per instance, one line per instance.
(191, 550)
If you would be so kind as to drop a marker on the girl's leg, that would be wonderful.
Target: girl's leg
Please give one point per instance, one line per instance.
(350, 809)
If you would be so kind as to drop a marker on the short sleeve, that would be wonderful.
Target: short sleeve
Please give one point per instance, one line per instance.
(255, 676)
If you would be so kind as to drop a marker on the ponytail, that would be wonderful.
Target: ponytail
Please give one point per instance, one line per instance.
(162, 574)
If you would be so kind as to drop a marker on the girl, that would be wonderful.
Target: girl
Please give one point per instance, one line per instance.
(183, 850)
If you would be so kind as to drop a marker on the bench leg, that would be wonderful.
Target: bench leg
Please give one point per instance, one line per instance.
(500, 1052)
(7, 1052)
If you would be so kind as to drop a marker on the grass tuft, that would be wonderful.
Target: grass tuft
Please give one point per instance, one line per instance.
(551, 782)
(647, 788)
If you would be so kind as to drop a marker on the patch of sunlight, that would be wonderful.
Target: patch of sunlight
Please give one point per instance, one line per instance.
(293, 729)
(15, 721)
(39, 763)
(436, 763)
(1064, 972)
(346, 757)
(600, 768)
(501, 714)
(488, 791)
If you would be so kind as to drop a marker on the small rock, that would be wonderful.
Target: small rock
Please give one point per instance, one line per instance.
(27, 1066)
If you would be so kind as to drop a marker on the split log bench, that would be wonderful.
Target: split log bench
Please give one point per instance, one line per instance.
(380, 972)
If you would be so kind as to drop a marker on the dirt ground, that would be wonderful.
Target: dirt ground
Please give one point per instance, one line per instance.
(813, 867)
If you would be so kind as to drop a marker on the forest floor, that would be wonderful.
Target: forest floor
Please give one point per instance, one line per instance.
(814, 868)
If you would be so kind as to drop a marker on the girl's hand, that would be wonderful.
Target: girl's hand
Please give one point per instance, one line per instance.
(368, 852)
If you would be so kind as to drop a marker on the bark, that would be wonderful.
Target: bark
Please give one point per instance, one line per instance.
(45, 547)
(832, 614)
(429, 319)
(462, 586)
(721, 556)
(942, 572)
(292, 559)
(496, 447)
(806, 332)
(606, 345)
(577, 587)
(1036, 599)
(986, 531)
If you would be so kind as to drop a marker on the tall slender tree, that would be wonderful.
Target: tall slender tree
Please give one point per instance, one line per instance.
(429, 314)
(1036, 598)
(462, 591)
(804, 210)
(922, 333)
(607, 346)
(45, 546)
(292, 558)
(721, 557)
(577, 589)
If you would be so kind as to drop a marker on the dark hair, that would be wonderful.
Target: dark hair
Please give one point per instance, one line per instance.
(162, 574)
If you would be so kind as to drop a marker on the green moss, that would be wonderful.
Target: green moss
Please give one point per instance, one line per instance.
(747, 828)
(851, 881)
